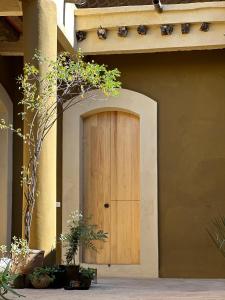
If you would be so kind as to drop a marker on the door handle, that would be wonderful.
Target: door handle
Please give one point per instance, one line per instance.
(106, 205)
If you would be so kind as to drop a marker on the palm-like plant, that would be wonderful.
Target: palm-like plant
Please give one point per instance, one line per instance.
(80, 233)
(6, 278)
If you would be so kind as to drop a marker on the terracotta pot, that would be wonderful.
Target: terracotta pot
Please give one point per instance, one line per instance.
(42, 282)
(26, 266)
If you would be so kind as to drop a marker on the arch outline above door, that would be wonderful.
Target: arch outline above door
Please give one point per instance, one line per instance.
(146, 109)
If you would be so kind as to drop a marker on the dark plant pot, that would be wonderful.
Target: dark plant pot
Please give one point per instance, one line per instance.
(19, 282)
(28, 284)
(59, 280)
(85, 283)
(82, 284)
(72, 273)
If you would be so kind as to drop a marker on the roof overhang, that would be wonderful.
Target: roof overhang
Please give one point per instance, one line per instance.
(65, 26)
(90, 19)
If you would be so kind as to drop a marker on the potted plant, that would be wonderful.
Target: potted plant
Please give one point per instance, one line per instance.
(86, 275)
(59, 277)
(6, 277)
(42, 277)
(80, 233)
(17, 258)
(75, 78)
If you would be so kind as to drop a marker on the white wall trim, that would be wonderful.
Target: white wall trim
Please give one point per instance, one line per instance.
(146, 109)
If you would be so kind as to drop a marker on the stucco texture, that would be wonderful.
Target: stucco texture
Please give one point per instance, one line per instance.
(189, 88)
(10, 69)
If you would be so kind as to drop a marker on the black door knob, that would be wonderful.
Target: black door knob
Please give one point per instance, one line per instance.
(106, 205)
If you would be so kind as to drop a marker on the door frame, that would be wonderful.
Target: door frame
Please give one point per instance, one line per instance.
(146, 109)
(7, 110)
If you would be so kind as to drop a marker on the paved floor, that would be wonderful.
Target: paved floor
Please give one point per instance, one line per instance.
(124, 289)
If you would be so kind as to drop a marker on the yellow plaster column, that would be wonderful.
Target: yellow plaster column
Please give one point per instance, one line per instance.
(40, 33)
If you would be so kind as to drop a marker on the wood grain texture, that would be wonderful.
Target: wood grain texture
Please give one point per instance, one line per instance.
(97, 180)
(112, 175)
(125, 232)
(125, 156)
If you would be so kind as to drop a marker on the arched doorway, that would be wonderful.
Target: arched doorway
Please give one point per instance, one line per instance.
(6, 113)
(116, 118)
(111, 185)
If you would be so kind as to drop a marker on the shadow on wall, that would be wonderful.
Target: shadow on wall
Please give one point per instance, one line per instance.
(6, 113)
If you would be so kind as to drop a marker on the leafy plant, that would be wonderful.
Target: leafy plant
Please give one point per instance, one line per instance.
(39, 110)
(88, 273)
(217, 234)
(42, 271)
(80, 232)
(18, 253)
(6, 278)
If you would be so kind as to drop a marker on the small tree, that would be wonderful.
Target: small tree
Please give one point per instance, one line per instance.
(75, 78)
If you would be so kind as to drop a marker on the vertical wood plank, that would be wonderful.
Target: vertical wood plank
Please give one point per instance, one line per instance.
(97, 181)
(125, 232)
(125, 156)
(112, 175)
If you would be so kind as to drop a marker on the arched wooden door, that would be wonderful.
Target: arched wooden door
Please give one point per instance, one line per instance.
(111, 185)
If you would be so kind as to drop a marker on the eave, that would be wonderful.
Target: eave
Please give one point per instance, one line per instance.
(90, 19)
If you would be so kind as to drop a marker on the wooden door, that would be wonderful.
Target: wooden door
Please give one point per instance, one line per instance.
(112, 185)
(97, 180)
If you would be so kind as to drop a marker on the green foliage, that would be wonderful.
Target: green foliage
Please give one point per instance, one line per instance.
(6, 278)
(217, 234)
(18, 253)
(42, 105)
(88, 273)
(19, 248)
(42, 271)
(80, 233)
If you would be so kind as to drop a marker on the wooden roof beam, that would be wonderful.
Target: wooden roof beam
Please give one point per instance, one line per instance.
(10, 8)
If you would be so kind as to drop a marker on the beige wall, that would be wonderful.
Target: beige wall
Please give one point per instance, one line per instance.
(189, 88)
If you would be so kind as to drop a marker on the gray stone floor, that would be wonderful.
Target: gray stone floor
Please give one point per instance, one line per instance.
(140, 289)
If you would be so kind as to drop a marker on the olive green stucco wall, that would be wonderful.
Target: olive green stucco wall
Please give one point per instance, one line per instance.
(10, 69)
(189, 88)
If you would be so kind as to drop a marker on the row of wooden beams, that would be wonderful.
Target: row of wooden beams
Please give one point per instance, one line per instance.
(196, 14)
(10, 8)
(91, 18)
